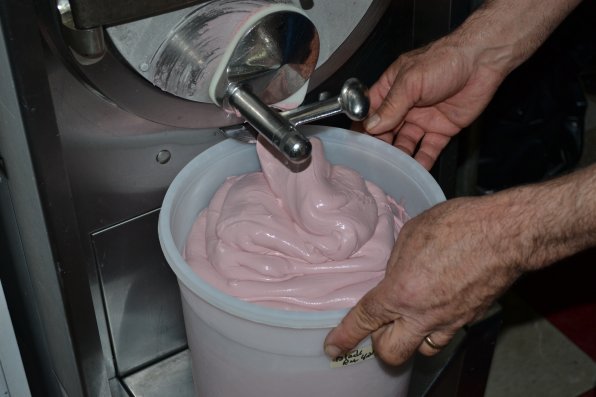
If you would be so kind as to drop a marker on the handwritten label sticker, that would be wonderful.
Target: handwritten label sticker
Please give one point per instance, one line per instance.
(354, 357)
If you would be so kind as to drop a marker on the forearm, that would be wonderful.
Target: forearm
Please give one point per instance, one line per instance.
(504, 33)
(543, 223)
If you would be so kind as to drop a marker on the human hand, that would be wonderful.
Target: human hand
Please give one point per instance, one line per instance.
(428, 95)
(445, 271)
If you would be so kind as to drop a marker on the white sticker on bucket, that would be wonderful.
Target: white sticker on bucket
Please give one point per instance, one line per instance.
(354, 357)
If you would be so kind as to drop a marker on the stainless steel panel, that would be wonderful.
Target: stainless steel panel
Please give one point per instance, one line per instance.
(112, 156)
(170, 377)
(140, 292)
(117, 389)
(34, 205)
(119, 167)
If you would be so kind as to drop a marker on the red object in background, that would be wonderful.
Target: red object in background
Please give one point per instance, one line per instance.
(565, 294)
(591, 393)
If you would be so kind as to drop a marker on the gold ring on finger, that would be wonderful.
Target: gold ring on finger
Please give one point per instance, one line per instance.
(432, 344)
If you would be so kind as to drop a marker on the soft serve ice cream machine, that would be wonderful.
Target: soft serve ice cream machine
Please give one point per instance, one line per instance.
(103, 102)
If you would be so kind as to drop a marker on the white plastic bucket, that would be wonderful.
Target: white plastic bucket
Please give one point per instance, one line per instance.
(243, 349)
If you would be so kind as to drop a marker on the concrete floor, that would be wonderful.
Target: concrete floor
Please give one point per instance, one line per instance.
(532, 357)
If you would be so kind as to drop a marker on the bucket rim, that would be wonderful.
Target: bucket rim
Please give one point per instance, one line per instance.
(252, 311)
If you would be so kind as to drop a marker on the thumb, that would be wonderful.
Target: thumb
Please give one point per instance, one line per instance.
(392, 110)
(367, 316)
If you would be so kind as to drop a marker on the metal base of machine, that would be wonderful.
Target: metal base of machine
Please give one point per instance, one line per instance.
(170, 377)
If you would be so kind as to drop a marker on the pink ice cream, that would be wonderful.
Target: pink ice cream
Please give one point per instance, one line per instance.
(314, 240)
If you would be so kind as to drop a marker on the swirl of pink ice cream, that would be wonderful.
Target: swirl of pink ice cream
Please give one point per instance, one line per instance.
(314, 240)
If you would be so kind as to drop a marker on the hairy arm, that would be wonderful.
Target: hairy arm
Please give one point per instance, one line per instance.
(504, 33)
(451, 262)
(557, 218)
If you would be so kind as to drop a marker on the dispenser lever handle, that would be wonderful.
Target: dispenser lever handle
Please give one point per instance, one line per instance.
(279, 128)
(352, 100)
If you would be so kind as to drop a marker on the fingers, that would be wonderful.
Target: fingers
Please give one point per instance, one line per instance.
(408, 138)
(389, 102)
(389, 114)
(425, 147)
(395, 343)
(430, 148)
(395, 338)
(386, 137)
(364, 318)
(378, 91)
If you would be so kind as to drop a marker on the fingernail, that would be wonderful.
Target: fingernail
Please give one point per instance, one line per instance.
(371, 122)
(332, 351)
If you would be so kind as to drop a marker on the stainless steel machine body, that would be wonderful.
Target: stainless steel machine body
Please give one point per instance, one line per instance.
(89, 144)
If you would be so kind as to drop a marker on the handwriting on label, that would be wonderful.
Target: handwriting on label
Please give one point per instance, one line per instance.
(353, 357)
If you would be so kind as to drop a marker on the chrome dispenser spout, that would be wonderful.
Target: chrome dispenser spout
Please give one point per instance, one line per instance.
(271, 61)
(277, 129)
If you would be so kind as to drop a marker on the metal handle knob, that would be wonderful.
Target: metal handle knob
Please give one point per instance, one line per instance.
(352, 101)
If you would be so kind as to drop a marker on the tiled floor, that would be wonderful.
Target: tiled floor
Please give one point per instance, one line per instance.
(548, 343)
